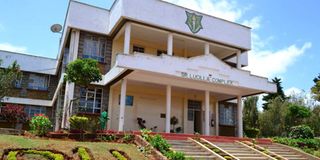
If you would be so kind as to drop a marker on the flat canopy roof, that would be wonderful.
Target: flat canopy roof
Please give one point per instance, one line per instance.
(200, 73)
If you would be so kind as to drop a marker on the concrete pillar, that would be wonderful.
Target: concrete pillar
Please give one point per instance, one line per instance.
(127, 37)
(240, 125)
(206, 48)
(122, 103)
(168, 108)
(207, 114)
(217, 119)
(238, 59)
(170, 44)
(69, 90)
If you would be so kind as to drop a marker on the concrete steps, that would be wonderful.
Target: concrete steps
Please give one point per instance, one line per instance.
(191, 150)
(285, 152)
(241, 151)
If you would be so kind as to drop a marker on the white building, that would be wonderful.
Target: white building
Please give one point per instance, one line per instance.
(158, 61)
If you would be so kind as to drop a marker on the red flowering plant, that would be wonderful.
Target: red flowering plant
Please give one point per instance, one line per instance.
(40, 124)
(13, 114)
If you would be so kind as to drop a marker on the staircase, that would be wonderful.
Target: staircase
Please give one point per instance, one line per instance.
(191, 150)
(241, 151)
(287, 152)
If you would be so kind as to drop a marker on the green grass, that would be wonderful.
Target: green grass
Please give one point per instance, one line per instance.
(100, 150)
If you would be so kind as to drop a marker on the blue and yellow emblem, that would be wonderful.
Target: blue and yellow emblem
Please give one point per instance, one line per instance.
(194, 22)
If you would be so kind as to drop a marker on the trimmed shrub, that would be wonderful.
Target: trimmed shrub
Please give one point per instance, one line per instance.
(128, 138)
(252, 132)
(12, 155)
(301, 131)
(172, 155)
(83, 154)
(46, 154)
(118, 155)
(79, 123)
(40, 124)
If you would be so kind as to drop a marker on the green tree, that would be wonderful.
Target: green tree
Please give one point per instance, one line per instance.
(296, 115)
(7, 77)
(315, 90)
(250, 112)
(82, 72)
(272, 121)
(314, 120)
(272, 96)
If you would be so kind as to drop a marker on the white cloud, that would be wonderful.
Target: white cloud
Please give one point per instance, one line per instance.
(254, 23)
(225, 9)
(12, 48)
(293, 91)
(272, 63)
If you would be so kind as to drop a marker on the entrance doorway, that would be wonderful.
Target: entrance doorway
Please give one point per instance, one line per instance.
(194, 114)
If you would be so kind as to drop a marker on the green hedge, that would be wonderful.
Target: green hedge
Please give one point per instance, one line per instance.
(311, 146)
(118, 155)
(83, 154)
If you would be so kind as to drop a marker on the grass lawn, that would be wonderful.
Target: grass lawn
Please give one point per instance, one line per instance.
(100, 150)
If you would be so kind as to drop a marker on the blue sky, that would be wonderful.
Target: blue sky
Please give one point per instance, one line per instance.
(285, 33)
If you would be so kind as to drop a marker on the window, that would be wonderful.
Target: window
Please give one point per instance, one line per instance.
(90, 100)
(192, 107)
(18, 82)
(129, 100)
(38, 82)
(33, 110)
(227, 114)
(138, 49)
(94, 47)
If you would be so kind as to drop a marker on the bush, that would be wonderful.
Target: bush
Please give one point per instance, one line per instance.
(118, 155)
(83, 154)
(13, 114)
(252, 132)
(301, 131)
(145, 134)
(47, 154)
(172, 155)
(128, 138)
(12, 155)
(160, 143)
(40, 124)
(79, 123)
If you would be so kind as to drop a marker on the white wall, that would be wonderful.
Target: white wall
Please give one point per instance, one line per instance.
(157, 13)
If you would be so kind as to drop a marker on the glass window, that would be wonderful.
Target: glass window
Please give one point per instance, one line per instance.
(18, 82)
(129, 100)
(94, 47)
(90, 100)
(227, 114)
(38, 82)
(192, 107)
(138, 49)
(33, 110)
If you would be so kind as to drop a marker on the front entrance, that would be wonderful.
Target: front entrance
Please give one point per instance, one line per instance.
(194, 114)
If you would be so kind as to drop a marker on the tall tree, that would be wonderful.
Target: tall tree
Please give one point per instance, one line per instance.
(250, 112)
(272, 96)
(272, 121)
(315, 90)
(7, 78)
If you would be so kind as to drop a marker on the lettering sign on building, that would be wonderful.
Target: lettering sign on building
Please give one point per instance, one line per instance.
(209, 78)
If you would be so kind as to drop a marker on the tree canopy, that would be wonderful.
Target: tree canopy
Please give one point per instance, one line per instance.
(83, 72)
(272, 96)
(315, 90)
(250, 112)
(7, 77)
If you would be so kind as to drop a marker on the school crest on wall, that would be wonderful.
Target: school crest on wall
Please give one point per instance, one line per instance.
(194, 22)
